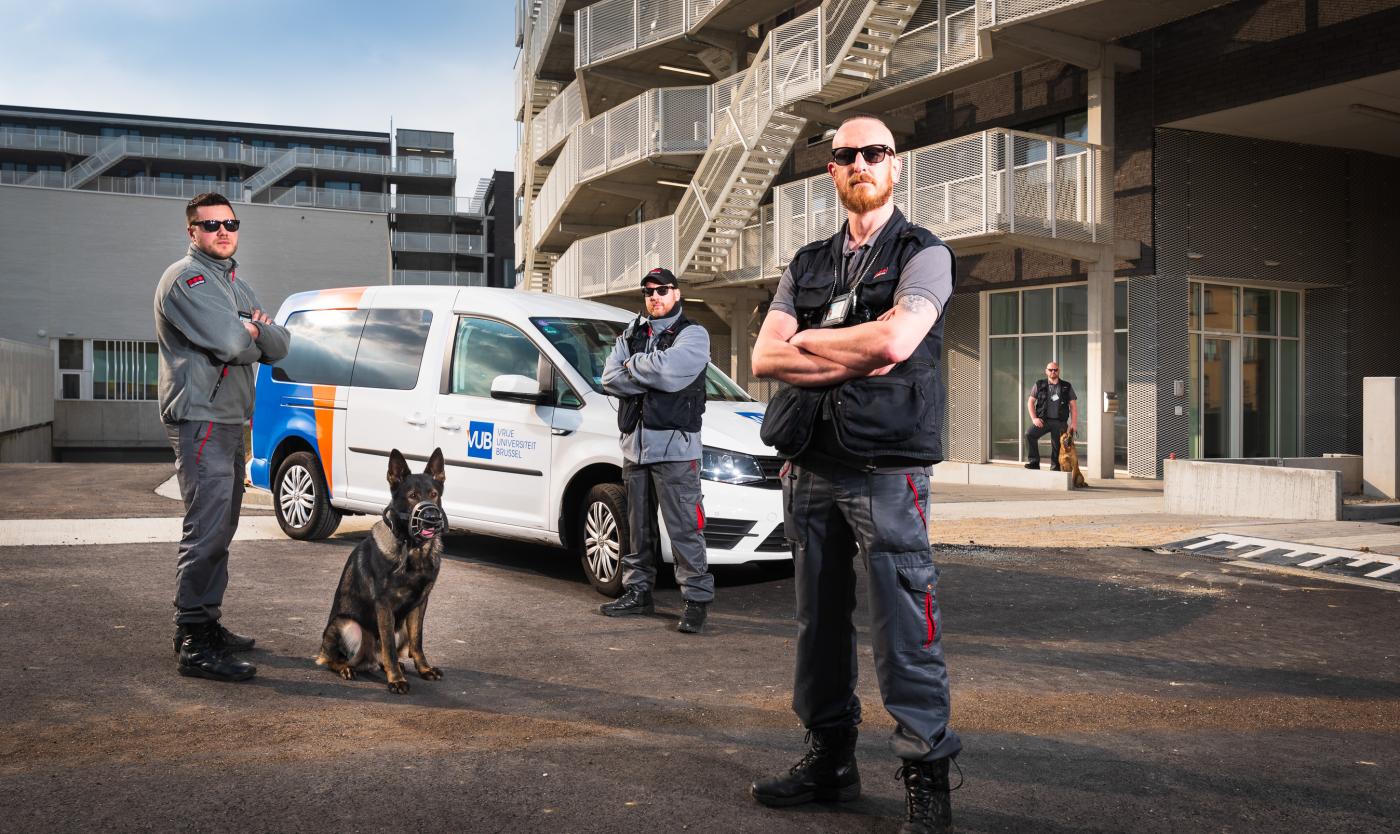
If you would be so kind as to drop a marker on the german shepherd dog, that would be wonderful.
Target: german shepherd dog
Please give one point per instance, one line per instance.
(377, 615)
(1069, 458)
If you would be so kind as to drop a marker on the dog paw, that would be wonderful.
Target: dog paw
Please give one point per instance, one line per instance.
(348, 673)
(399, 687)
(430, 673)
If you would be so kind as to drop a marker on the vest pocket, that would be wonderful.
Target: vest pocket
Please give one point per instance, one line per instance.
(875, 412)
(877, 291)
(787, 421)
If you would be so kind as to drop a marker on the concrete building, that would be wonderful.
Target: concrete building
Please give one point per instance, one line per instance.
(1186, 202)
(91, 213)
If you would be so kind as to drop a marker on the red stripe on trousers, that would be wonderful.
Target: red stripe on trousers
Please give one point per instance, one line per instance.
(205, 440)
(915, 490)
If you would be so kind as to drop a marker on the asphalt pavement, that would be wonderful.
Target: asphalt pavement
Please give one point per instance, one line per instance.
(1097, 689)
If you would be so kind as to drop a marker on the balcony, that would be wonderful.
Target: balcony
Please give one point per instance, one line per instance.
(665, 122)
(164, 187)
(29, 139)
(989, 190)
(330, 198)
(438, 277)
(955, 43)
(434, 205)
(439, 243)
(555, 122)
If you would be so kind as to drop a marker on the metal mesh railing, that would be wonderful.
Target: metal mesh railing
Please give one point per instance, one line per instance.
(997, 181)
(541, 32)
(661, 121)
(610, 28)
(331, 198)
(165, 187)
(43, 139)
(432, 204)
(553, 124)
(1002, 12)
(441, 243)
(614, 262)
(934, 43)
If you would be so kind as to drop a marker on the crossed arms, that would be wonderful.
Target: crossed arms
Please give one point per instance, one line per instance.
(818, 357)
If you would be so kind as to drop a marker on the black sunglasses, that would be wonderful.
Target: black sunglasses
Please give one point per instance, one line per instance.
(213, 225)
(874, 154)
(661, 290)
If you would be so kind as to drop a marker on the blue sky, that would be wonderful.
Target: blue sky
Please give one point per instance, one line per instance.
(354, 65)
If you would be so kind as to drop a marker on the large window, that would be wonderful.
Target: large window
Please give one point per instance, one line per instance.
(107, 369)
(1028, 328)
(327, 348)
(485, 349)
(1245, 355)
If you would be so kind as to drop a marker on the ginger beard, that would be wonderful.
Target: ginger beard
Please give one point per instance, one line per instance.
(861, 200)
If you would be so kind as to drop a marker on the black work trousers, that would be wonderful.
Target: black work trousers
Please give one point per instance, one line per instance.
(832, 512)
(209, 465)
(1055, 428)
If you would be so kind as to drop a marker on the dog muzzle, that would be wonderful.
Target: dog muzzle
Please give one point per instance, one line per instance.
(426, 521)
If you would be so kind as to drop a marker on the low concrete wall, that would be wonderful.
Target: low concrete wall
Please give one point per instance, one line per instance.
(1198, 487)
(109, 424)
(990, 474)
(1380, 436)
(1348, 465)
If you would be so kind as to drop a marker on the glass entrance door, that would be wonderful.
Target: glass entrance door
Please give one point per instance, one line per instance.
(1218, 384)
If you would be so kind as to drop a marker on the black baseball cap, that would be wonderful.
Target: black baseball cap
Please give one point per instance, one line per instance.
(660, 275)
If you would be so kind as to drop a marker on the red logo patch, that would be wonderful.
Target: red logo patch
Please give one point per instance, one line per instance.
(881, 272)
(195, 281)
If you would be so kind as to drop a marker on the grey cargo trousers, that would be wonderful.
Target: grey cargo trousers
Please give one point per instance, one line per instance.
(675, 487)
(209, 466)
(830, 510)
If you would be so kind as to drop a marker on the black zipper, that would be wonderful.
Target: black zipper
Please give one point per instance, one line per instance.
(222, 373)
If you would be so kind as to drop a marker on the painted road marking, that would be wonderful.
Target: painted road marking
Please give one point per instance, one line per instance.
(1327, 560)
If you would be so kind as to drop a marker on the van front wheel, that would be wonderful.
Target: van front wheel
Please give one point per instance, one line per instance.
(603, 537)
(301, 500)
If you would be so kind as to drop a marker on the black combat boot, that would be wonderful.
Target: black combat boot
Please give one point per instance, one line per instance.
(926, 792)
(634, 601)
(223, 638)
(827, 772)
(693, 618)
(201, 657)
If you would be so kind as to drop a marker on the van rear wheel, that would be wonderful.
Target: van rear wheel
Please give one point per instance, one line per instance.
(301, 500)
(603, 537)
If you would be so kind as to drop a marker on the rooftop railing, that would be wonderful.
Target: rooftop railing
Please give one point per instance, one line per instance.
(660, 121)
(330, 198)
(440, 243)
(612, 27)
(438, 277)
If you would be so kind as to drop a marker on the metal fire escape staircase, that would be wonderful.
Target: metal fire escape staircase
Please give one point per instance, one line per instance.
(828, 54)
(271, 173)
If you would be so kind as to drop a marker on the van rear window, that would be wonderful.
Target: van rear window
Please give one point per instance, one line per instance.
(364, 348)
(323, 347)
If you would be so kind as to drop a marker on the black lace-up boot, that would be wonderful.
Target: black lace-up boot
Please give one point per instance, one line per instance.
(202, 657)
(827, 773)
(692, 618)
(223, 639)
(635, 601)
(930, 810)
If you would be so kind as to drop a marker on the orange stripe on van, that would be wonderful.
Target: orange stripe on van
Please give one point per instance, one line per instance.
(323, 397)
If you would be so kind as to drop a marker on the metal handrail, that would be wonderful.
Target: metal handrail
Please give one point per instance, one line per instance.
(438, 277)
(435, 242)
(610, 28)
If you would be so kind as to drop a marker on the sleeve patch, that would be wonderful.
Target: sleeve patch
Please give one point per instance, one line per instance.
(195, 281)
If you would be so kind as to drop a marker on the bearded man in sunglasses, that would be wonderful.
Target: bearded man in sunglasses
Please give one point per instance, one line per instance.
(854, 333)
(657, 370)
(212, 332)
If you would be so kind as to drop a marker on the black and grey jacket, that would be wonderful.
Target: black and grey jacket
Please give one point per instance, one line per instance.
(672, 369)
(207, 359)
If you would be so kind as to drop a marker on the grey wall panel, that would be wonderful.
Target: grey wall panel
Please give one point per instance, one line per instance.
(88, 262)
(1142, 391)
(962, 369)
(1172, 166)
(1326, 408)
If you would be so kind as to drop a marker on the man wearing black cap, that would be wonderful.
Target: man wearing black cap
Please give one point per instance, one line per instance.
(657, 370)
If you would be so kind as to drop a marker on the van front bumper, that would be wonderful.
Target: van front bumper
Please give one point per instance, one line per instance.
(742, 524)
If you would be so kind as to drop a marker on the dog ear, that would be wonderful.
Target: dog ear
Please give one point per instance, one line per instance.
(398, 469)
(436, 468)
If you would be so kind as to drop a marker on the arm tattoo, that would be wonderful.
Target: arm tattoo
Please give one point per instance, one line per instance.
(915, 304)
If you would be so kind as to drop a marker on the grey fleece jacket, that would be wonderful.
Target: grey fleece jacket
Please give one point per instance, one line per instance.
(626, 374)
(207, 359)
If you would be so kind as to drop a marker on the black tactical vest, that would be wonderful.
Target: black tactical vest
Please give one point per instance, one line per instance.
(876, 420)
(662, 410)
(1042, 399)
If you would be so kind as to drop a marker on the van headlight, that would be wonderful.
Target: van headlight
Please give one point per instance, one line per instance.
(729, 467)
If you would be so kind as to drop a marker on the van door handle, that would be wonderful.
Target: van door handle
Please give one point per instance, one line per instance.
(561, 432)
(416, 419)
(449, 425)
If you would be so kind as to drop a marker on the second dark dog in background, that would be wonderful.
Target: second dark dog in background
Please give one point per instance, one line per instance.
(377, 615)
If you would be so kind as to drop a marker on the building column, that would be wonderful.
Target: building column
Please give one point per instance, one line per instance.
(737, 307)
(1101, 343)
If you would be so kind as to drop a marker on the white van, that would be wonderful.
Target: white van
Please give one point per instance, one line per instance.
(507, 384)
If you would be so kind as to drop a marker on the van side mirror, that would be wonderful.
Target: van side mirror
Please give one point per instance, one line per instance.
(515, 388)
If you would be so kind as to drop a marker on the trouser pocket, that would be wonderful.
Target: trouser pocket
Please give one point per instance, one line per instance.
(917, 620)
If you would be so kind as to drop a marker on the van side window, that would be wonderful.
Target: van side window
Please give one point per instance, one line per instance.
(391, 349)
(485, 349)
(322, 347)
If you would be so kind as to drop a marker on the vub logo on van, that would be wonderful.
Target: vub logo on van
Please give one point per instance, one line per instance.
(480, 439)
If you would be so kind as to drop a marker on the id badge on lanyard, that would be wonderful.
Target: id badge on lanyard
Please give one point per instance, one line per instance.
(839, 309)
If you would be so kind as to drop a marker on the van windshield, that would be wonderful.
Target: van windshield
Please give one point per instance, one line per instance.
(587, 343)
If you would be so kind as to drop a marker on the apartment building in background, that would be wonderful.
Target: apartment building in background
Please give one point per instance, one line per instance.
(91, 213)
(1187, 203)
